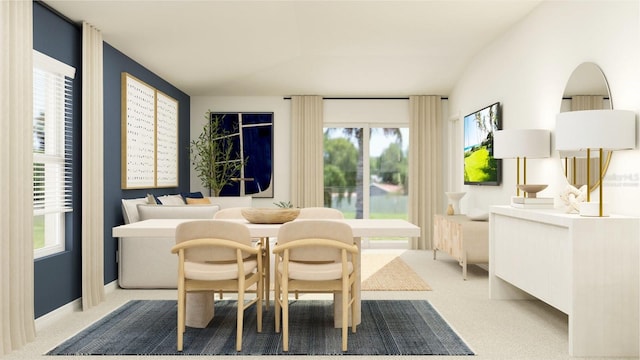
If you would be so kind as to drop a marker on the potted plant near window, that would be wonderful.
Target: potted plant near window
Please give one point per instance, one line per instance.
(213, 157)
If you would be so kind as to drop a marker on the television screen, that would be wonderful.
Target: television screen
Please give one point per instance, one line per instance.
(480, 167)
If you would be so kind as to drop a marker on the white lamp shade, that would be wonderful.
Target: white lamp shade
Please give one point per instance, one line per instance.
(529, 143)
(596, 129)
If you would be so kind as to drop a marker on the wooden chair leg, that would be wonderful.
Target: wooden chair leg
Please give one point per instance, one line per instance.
(266, 271)
(259, 294)
(345, 313)
(181, 315)
(353, 307)
(240, 320)
(277, 307)
(285, 316)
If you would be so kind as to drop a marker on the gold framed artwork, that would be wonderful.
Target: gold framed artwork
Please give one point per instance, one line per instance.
(166, 141)
(149, 136)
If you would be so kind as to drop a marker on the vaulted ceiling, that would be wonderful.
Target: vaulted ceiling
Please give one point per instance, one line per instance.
(331, 48)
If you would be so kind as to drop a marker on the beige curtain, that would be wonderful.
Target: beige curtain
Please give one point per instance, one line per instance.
(17, 325)
(307, 184)
(425, 167)
(92, 169)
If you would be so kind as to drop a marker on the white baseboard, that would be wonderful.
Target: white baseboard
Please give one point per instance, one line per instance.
(69, 308)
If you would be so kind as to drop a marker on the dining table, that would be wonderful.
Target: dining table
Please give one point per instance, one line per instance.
(200, 308)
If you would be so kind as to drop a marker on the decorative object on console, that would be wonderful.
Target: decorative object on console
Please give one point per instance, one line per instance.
(531, 190)
(531, 200)
(454, 201)
(270, 215)
(522, 143)
(572, 197)
(595, 129)
(478, 215)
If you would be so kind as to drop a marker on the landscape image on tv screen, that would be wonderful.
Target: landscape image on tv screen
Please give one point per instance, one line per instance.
(480, 167)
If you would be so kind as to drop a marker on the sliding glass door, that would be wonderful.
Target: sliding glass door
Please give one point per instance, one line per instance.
(365, 172)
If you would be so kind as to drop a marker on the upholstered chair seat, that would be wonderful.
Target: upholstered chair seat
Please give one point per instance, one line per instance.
(315, 272)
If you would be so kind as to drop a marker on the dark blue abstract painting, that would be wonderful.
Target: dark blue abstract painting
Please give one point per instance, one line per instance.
(252, 134)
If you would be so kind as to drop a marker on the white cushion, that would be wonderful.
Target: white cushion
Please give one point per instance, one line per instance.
(478, 215)
(177, 211)
(315, 272)
(130, 210)
(171, 200)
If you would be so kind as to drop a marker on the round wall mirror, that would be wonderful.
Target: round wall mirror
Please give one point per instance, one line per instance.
(587, 89)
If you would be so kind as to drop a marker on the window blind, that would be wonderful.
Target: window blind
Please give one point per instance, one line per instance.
(52, 135)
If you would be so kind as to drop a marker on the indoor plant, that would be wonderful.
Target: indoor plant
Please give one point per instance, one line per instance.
(212, 155)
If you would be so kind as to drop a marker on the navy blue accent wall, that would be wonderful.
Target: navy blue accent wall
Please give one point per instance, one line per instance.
(58, 277)
(115, 63)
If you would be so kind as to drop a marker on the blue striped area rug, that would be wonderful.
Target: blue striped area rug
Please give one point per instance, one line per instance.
(389, 327)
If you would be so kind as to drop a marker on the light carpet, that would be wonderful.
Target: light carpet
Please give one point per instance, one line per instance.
(388, 272)
(389, 327)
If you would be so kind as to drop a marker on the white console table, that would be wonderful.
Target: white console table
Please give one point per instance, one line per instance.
(587, 267)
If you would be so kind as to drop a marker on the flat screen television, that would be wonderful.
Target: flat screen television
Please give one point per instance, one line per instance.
(480, 167)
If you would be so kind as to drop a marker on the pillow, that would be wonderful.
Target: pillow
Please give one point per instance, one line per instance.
(478, 215)
(191, 201)
(151, 199)
(196, 195)
(170, 200)
(130, 211)
(177, 211)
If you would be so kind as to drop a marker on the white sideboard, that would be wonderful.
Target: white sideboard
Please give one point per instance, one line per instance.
(587, 267)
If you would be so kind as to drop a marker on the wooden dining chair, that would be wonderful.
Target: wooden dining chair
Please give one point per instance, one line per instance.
(235, 213)
(315, 256)
(213, 256)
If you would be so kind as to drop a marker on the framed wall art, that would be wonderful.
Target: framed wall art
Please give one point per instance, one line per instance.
(253, 137)
(149, 136)
(138, 133)
(166, 141)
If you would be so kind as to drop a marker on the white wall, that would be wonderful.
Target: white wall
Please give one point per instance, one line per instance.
(281, 125)
(527, 68)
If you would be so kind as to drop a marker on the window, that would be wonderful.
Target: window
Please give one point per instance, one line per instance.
(52, 175)
(369, 185)
(366, 143)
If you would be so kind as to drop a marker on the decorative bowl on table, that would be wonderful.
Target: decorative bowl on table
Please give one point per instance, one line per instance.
(270, 215)
(532, 189)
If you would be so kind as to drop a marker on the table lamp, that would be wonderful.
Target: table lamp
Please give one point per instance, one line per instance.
(595, 130)
(572, 170)
(521, 143)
